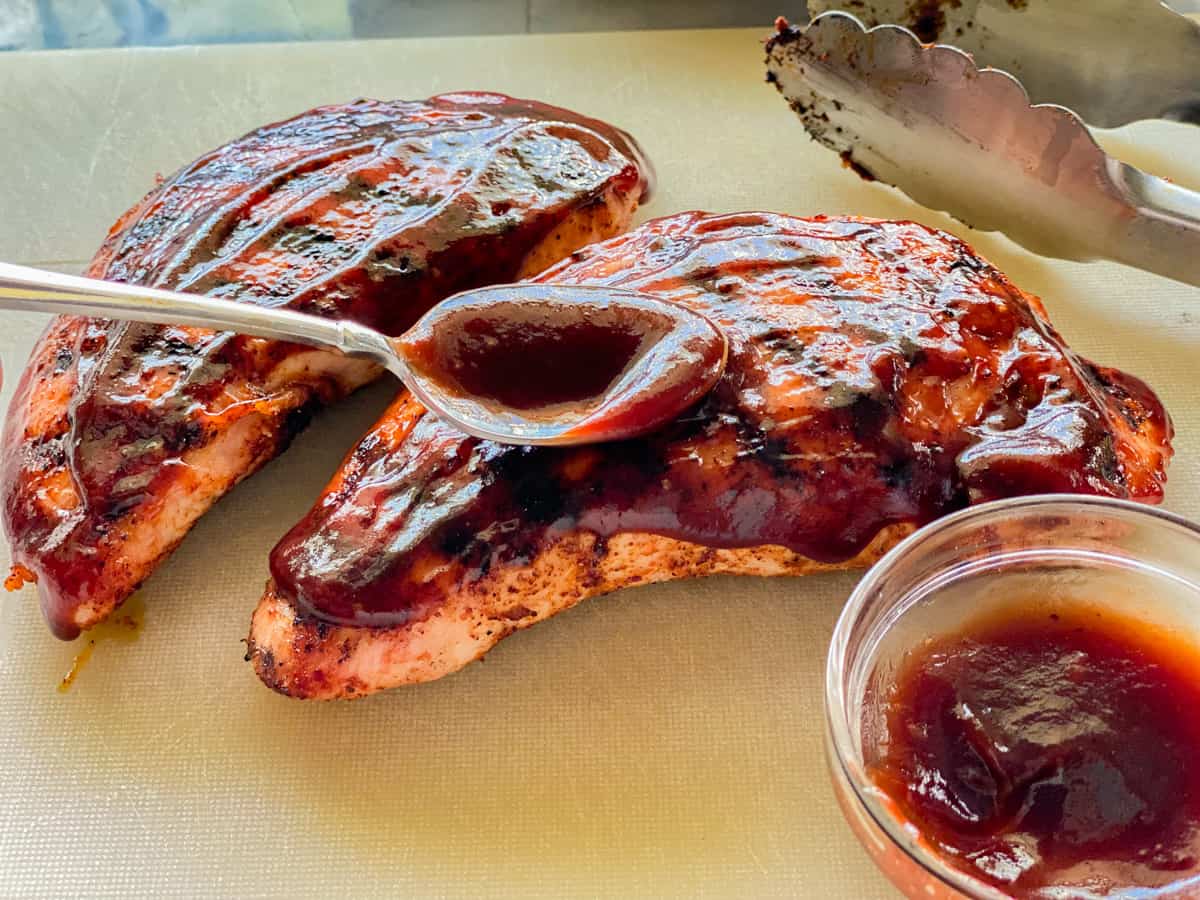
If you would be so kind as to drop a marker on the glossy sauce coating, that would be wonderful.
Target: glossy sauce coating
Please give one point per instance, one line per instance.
(371, 211)
(878, 373)
(1051, 745)
(571, 363)
(528, 363)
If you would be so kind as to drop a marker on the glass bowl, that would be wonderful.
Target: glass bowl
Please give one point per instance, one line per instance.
(1136, 560)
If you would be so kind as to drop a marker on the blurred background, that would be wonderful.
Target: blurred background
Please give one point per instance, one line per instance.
(59, 24)
(62, 24)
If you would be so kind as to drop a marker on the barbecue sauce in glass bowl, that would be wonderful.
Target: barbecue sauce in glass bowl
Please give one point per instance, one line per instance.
(1049, 749)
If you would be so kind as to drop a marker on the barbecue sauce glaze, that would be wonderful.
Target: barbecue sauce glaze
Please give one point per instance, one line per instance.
(372, 211)
(879, 373)
(1050, 746)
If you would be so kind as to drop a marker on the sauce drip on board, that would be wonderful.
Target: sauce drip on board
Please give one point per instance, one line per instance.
(567, 363)
(878, 373)
(1050, 744)
(123, 628)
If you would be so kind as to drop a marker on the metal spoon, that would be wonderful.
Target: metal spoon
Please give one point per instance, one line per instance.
(678, 357)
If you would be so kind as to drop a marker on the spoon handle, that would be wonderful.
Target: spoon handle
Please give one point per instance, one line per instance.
(36, 290)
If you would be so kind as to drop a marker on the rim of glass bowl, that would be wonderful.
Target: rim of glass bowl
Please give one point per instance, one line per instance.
(837, 716)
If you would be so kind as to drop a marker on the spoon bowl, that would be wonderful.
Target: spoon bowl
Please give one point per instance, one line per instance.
(560, 364)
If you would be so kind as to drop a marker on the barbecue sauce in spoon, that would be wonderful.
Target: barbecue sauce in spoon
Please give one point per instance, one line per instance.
(561, 364)
(1051, 750)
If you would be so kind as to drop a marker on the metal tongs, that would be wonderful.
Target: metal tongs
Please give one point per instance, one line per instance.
(968, 140)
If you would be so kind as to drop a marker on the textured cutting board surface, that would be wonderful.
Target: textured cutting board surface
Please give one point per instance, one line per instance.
(663, 741)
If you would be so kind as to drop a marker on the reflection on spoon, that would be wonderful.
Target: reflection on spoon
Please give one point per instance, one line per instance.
(518, 364)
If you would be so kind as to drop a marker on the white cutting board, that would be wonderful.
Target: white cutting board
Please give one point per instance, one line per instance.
(664, 741)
